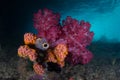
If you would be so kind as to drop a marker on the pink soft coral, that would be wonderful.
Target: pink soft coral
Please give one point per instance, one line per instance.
(46, 22)
(76, 35)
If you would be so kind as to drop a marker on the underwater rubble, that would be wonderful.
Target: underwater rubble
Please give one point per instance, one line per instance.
(100, 68)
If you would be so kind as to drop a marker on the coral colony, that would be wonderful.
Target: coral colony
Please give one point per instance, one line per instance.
(56, 43)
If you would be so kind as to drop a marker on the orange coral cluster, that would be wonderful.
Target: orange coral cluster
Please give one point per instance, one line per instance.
(38, 68)
(58, 55)
(26, 52)
(29, 38)
(23, 51)
(51, 57)
(61, 51)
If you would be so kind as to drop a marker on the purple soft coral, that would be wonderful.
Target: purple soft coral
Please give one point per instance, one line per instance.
(76, 35)
(47, 24)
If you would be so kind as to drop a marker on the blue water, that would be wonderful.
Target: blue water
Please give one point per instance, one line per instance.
(104, 15)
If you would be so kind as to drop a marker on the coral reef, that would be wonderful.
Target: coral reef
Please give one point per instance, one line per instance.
(56, 44)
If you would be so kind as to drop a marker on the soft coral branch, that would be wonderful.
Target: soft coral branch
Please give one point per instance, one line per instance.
(47, 23)
(43, 20)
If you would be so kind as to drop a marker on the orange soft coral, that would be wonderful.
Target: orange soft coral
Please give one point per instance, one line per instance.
(51, 57)
(38, 69)
(60, 52)
(23, 51)
(55, 55)
(29, 38)
(32, 55)
(58, 55)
